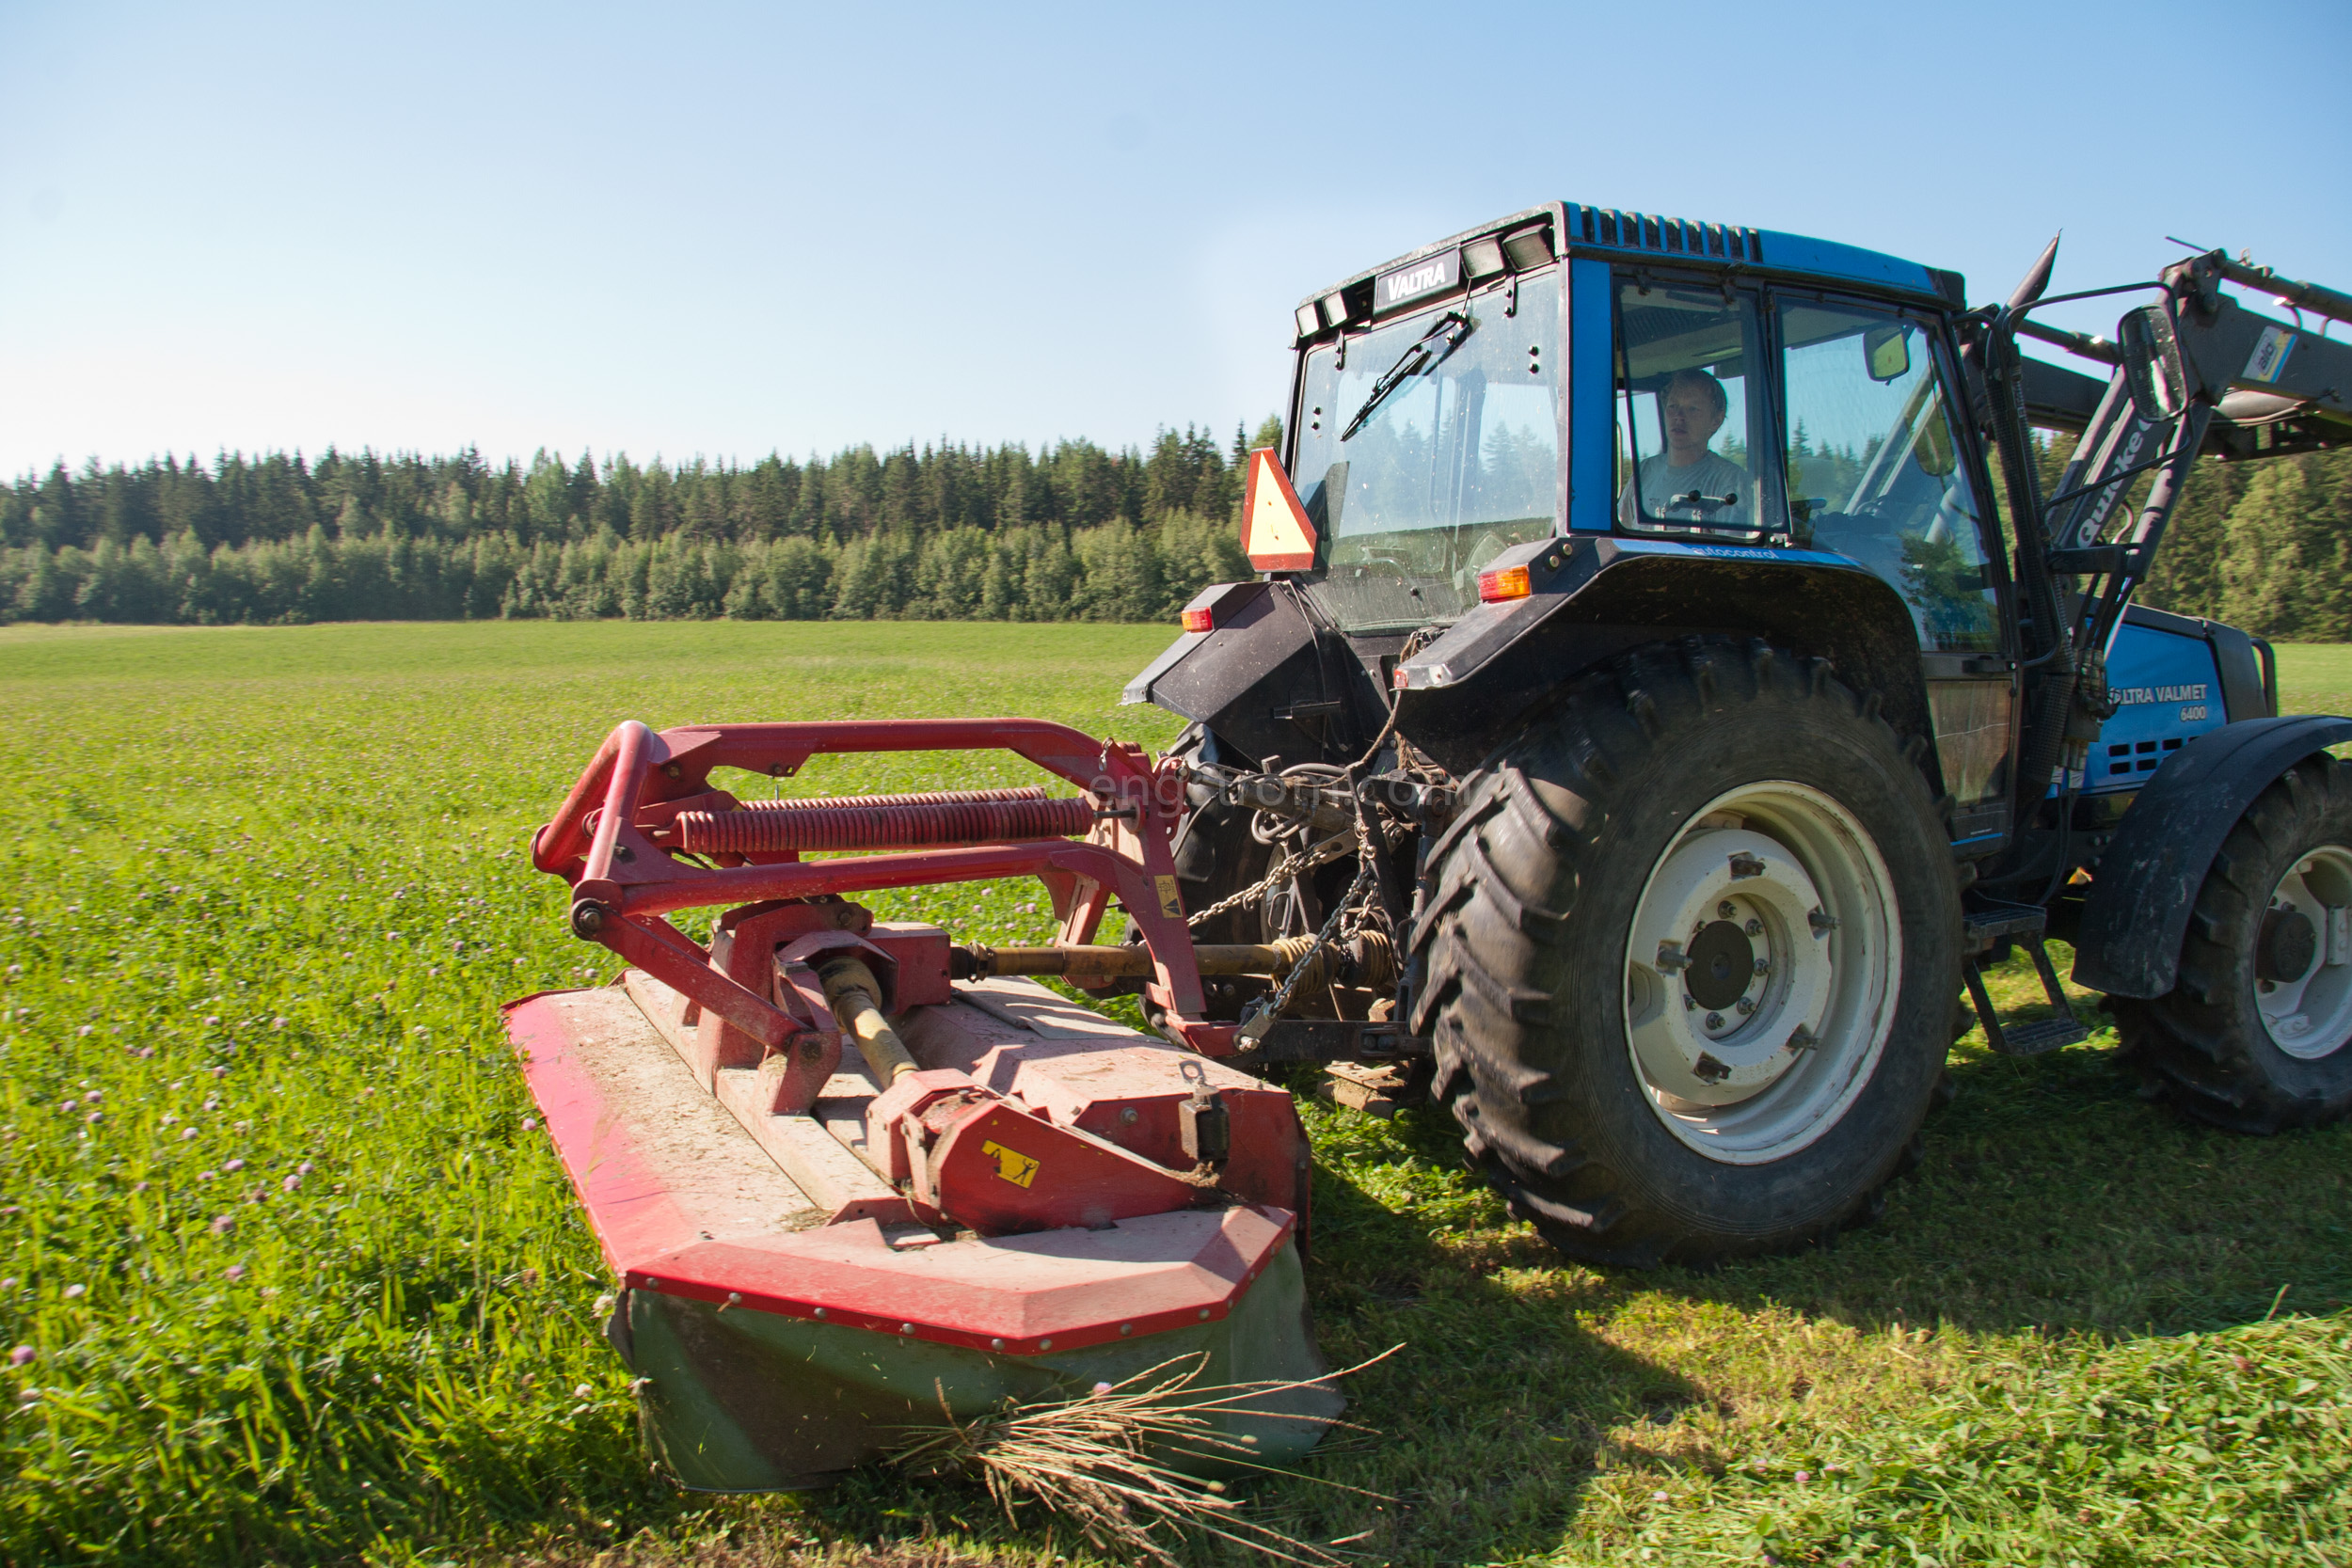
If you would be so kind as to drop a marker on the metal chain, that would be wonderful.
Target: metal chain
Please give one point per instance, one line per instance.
(1287, 866)
(1256, 1026)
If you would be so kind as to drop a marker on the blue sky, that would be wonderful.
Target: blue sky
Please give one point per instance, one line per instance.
(722, 229)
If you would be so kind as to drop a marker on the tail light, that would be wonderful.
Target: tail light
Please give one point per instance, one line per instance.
(1509, 584)
(1199, 619)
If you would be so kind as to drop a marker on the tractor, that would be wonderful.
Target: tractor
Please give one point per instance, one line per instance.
(1667, 691)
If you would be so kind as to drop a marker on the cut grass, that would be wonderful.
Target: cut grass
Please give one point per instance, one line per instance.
(2083, 1331)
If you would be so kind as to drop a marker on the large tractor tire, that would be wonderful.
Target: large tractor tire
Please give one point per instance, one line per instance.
(2256, 1034)
(1688, 954)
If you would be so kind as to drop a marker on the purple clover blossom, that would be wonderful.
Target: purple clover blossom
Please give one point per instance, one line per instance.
(223, 1225)
(20, 1355)
(233, 1273)
(74, 1292)
(290, 1184)
(303, 1169)
(234, 1164)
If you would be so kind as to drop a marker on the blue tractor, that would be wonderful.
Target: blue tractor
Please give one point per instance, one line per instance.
(1669, 688)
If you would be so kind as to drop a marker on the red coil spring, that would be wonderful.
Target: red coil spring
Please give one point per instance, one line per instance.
(931, 797)
(882, 822)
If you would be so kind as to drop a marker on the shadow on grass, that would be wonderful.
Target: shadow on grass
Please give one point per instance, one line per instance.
(1486, 1428)
(2052, 1196)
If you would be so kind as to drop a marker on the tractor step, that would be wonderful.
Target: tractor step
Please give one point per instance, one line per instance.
(2042, 1033)
(2022, 924)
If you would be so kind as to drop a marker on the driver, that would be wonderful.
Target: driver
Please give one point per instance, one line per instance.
(1689, 484)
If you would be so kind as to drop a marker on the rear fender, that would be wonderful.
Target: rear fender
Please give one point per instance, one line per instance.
(1263, 680)
(2133, 923)
(1593, 598)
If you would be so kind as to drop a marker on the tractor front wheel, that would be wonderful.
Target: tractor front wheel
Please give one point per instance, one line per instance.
(1687, 955)
(2256, 1034)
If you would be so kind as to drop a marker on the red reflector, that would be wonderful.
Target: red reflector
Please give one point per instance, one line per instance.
(1509, 584)
(1199, 619)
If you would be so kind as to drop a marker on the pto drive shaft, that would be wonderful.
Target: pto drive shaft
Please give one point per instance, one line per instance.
(852, 992)
(1367, 960)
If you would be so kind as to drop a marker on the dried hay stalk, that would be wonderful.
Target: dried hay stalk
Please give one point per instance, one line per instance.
(1090, 1459)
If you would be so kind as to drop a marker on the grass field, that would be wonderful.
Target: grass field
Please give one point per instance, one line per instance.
(295, 1284)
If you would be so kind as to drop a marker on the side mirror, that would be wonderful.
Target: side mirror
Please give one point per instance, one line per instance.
(1887, 351)
(2151, 363)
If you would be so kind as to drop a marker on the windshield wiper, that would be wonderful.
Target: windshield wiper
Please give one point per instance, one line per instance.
(1434, 345)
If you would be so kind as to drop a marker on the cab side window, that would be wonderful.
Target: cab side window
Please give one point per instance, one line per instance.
(1874, 471)
(1688, 394)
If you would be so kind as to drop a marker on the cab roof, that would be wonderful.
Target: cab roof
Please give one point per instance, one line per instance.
(1605, 233)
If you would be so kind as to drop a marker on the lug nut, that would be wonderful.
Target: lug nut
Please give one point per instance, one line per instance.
(1744, 1005)
(1724, 909)
(1763, 966)
(1755, 928)
(1714, 1021)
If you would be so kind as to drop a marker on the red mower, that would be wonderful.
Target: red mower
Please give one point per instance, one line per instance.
(852, 1175)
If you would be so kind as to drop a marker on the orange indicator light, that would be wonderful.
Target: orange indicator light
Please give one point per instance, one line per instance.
(1509, 584)
(1199, 619)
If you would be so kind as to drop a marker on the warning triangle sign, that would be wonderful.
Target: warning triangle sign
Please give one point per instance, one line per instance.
(1275, 532)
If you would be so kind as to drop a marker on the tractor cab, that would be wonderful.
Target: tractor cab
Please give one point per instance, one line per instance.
(1576, 373)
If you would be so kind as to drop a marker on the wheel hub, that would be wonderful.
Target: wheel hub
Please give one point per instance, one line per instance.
(2303, 957)
(1761, 970)
(1727, 928)
(1722, 963)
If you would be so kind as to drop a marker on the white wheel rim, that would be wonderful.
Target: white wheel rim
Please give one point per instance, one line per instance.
(2309, 1015)
(1810, 904)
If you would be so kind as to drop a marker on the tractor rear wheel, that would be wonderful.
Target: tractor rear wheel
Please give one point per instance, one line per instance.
(2256, 1035)
(1687, 956)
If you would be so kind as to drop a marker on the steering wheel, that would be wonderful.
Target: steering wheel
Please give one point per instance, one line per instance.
(1490, 543)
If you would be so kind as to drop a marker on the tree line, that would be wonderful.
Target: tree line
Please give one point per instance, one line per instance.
(942, 532)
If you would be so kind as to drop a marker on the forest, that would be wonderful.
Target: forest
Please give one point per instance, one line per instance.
(944, 532)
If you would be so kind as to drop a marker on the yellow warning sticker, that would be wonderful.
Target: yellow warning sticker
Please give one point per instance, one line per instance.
(1011, 1165)
(1170, 905)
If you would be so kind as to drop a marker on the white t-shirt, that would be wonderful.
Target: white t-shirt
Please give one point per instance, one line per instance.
(1711, 477)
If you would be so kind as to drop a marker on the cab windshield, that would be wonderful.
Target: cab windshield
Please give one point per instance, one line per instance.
(1431, 449)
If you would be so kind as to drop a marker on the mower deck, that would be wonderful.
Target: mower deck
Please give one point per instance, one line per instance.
(788, 1316)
